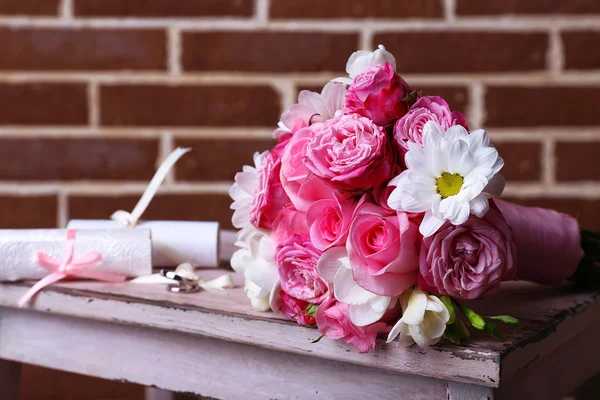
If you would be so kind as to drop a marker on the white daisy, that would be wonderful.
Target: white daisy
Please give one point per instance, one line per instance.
(450, 177)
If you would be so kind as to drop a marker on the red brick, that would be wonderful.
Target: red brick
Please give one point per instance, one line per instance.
(217, 160)
(82, 49)
(522, 160)
(267, 51)
(182, 207)
(34, 159)
(581, 49)
(43, 103)
(301, 9)
(577, 161)
(524, 106)
(518, 7)
(585, 210)
(463, 52)
(29, 7)
(157, 105)
(163, 8)
(28, 211)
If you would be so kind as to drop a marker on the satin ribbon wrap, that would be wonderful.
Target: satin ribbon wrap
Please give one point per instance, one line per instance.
(548, 242)
(71, 266)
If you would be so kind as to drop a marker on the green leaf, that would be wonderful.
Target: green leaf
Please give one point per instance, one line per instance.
(493, 331)
(475, 319)
(507, 319)
(463, 331)
(450, 306)
(312, 309)
(451, 334)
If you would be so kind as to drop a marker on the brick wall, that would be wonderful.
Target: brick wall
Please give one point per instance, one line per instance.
(94, 92)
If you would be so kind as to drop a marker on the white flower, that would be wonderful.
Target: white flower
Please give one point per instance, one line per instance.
(242, 191)
(256, 260)
(362, 59)
(423, 321)
(314, 107)
(364, 307)
(448, 178)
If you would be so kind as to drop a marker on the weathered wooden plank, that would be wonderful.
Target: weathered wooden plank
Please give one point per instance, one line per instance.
(10, 373)
(465, 391)
(221, 317)
(196, 364)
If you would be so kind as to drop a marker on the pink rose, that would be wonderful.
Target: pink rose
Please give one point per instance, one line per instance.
(383, 249)
(302, 187)
(409, 128)
(333, 321)
(350, 153)
(378, 93)
(329, 221)
(269, 196)
(469, 260)
(289, 222)
(294, 309)
(297, 264)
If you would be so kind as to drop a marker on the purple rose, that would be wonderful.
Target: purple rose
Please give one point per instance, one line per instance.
(409, 128)
(470, 260)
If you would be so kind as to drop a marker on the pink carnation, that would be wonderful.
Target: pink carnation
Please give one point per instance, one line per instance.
(409, 128)
(302, 187)
(333, 321)
(469, 260)
(383, 249)
(297, 264)
(378, 93)
(269, 196)
(294, 309)
(350, 153)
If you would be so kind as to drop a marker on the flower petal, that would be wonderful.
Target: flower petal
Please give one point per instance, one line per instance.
(415, 310)
(347, 291)
(330, 262)
(430, 224)
(364, 314)
(479, 205)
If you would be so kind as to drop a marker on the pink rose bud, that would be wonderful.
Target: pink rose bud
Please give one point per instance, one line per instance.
(470, 260)
(351, 153)
(333, 321)
(409, 128)
(269, 197)
(297, 264)
(383, 249)
(294, 309)
(548, 242)
(379, 94)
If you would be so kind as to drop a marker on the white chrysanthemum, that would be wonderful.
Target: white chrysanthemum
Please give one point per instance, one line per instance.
(242, 191)
(448, 178)
(423, 321)
(256, 260)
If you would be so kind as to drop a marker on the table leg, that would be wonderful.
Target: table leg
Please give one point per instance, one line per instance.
(10, 373)
(465, 391)
(158, 394)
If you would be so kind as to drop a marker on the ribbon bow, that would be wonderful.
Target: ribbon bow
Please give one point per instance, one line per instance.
(130, 220)
(70, 266)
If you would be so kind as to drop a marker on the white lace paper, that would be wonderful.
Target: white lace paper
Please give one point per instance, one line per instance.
(124, 252)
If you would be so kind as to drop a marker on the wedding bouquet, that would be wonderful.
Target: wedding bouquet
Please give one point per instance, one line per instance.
(377, 213)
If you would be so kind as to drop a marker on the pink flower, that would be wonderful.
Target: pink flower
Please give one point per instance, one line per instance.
(409, 128)
(289, 222)
(329, 221)
(470, 260)
(350, 153)
(294, 309)
(381, 194)
(302, 187)
(297, 264)
(383, 250)
(269, 196)
(378, 93)
(334, 322)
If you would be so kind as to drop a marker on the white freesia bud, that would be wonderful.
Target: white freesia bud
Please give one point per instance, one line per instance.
(253, 292)
(363, 59)
(423, 321)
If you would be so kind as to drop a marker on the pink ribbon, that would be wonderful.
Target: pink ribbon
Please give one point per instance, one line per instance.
(70, 267)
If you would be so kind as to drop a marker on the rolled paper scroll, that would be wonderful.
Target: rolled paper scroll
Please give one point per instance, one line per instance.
(173, 242)
(125, 252)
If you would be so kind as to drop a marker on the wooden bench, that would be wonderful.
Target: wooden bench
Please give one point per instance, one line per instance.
(217, 346)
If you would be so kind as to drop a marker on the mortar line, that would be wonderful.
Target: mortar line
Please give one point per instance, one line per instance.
(174, 50)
